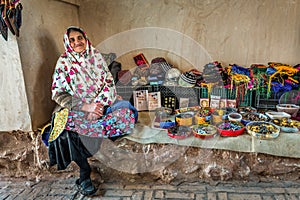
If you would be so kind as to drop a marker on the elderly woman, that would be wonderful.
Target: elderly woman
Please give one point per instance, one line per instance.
(85, 92)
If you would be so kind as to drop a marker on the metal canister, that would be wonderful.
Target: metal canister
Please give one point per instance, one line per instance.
(184, 119)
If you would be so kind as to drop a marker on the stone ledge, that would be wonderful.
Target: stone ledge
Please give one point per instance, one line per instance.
(129, 161)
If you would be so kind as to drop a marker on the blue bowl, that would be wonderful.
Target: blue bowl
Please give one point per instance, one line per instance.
(289, 129)
(166, 125)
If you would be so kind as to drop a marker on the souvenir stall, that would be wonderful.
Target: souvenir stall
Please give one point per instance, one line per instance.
(218, 103)
(215, 114)
(212, 121)
(226, 100)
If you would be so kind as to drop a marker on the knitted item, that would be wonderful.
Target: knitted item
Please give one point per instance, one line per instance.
(199, 77)
(214, 73)
(172, 76)
(158, 60)
(162, 63)
(165, 66)
(187, 79)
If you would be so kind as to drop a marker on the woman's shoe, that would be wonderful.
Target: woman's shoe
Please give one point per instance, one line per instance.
(86, 187)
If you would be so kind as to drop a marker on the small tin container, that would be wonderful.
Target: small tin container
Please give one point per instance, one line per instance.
(185, 118)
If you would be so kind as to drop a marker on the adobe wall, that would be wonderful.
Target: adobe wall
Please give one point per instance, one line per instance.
(242, 32)
(40, 44)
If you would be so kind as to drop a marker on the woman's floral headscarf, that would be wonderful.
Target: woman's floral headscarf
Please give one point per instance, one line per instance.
(83, 75)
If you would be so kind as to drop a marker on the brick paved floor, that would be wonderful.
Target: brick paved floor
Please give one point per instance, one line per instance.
(65, 189)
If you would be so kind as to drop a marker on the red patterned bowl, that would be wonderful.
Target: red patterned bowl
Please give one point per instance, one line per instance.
(231, 132)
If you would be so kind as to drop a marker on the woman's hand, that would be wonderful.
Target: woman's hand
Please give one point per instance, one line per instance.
(95, 110)
(119, 97)
(92, 116)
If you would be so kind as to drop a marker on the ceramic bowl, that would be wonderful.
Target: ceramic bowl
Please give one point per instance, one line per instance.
(204, 131)
(230, 132)
(289, 129)
(179, 132)
(234, 117)
(277, 115)
(263, 130)
(291, 109)
(253, 116)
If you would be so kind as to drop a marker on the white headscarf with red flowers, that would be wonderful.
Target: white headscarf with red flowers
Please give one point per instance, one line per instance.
(83, 75)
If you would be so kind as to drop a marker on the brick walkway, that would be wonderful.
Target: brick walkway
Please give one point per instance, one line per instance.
(65, 189)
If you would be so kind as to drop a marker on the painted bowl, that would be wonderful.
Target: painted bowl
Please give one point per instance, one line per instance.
(179, 132)
(204, 131)
(263, 130)
(230, 129)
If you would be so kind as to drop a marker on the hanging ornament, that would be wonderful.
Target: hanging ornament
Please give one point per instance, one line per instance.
(10, 17)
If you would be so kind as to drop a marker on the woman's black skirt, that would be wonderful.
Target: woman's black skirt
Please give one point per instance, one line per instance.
(71, 146)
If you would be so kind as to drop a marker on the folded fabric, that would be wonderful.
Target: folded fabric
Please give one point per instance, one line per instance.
(155, 69)
(124, 77)
(141, 71)
(156, 77)
(165, 66)
(240, 70)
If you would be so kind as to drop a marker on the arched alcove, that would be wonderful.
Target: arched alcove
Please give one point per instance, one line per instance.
(156, 42)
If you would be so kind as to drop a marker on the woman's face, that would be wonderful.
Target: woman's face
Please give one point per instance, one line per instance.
(77, 41)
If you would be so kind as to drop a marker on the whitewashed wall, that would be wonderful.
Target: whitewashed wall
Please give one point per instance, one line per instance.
(13, 100)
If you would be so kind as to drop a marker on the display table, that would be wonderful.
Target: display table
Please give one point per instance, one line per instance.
(287, 144)
(149, 151)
